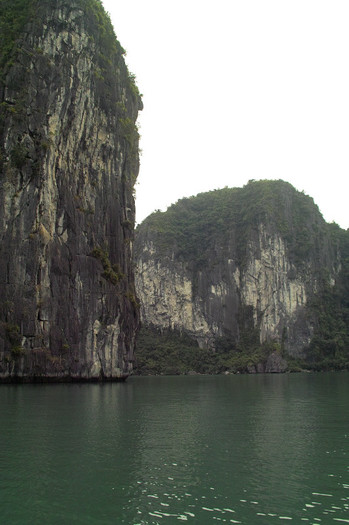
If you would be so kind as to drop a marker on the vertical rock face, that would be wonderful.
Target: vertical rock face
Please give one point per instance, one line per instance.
(239, 264)
(69, 160)
(262, 291)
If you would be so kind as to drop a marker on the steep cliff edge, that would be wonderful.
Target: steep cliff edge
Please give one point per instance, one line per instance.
(68, 164)
(246, 271)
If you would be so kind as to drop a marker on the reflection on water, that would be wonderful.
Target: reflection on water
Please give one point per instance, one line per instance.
(237, 449)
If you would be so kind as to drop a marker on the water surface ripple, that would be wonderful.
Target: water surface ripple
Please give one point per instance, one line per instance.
(261, 449)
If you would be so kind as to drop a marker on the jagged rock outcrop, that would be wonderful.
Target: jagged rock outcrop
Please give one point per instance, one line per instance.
(69, 161)
(244, 266)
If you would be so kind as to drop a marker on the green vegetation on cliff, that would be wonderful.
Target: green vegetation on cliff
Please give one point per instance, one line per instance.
(15, 15)
(329, 348)
(193, 225)
(171, 353)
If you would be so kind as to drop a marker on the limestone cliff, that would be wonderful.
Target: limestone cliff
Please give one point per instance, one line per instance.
(244, 266)
(68, 163)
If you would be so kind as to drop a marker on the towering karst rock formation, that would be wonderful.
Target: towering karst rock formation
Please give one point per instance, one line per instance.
(68, 164)
(236, 268)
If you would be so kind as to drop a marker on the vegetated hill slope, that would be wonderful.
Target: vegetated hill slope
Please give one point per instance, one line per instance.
(68, 163)
(252, 275)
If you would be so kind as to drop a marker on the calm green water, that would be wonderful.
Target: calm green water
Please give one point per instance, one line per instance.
(261, 449)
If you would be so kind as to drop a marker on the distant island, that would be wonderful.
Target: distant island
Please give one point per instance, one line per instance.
(245, 279)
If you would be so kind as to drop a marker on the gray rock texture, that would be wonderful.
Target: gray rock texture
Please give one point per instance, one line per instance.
(69, 161)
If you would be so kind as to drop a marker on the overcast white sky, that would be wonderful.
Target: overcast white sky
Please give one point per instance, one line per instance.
(236, 90)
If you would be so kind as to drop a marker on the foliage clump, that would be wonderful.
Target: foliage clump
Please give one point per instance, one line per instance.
(329, 348)
(10, 333)
(171, 353)
(111, 272)
(194, 226)
(14, 15)
(108, 61)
